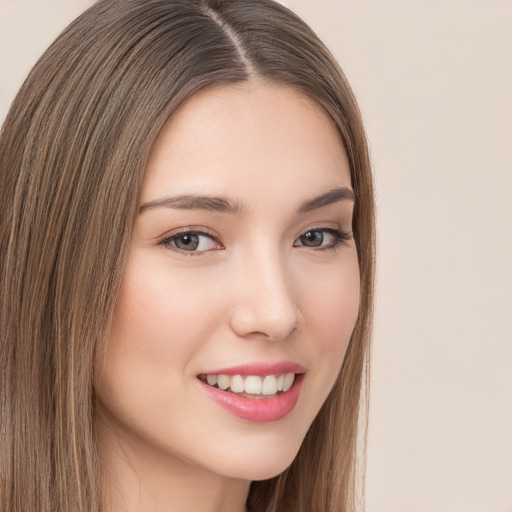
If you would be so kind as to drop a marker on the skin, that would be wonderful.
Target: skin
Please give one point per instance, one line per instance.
(254, 292)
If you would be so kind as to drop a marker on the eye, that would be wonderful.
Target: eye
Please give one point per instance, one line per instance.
(191, 242)
(325, 238)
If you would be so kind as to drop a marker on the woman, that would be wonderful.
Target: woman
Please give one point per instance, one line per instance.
(187, 266)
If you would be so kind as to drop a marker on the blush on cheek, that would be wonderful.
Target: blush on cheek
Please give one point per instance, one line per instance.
(336, 316)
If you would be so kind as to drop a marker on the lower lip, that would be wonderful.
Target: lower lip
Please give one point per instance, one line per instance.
(258, 410)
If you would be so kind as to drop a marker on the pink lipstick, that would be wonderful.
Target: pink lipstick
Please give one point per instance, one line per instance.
(257, 392)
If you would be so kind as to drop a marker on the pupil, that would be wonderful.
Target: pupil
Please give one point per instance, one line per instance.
(187, 242)
(313, 238)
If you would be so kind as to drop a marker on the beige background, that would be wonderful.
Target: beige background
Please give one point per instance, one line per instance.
(434, 80)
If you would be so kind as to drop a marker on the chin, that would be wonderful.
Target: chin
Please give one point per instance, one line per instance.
(263, 461)
(255, 471)
(270, 471)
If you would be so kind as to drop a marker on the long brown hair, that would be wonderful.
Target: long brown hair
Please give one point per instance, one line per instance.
(73, 150)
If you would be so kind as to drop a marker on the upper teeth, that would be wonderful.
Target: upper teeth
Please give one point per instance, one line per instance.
(253, 384)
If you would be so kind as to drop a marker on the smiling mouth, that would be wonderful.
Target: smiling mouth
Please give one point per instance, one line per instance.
(251, 386)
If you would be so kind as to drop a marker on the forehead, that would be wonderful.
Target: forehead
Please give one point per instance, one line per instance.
(235, 138)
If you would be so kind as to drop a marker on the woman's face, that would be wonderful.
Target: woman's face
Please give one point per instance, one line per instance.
(242, 275)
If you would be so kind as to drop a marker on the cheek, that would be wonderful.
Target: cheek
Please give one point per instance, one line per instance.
(331, 306)
(148, 347)
(329, 302)
(156, 313)
(330, 312)
(147, 375)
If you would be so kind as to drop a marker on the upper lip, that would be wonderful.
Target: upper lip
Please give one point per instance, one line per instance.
(260, 369)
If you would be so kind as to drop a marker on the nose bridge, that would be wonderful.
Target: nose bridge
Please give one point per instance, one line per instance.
(265, 302)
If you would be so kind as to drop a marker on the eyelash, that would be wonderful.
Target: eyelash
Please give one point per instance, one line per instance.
(167, 242)
(340, 238)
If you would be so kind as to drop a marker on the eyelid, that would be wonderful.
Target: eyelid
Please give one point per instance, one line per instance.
(201, 230)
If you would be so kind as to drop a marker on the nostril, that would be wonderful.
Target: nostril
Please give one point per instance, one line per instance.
(272, 326)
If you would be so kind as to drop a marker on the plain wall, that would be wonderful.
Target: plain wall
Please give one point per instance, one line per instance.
(434, 81)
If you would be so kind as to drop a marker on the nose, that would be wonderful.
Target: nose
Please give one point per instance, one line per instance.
(264, 304)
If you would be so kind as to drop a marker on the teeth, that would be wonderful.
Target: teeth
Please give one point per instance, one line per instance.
(270, 385)
(288, 381)
(253, 384)
(237, 384)
(223, 381)
(280, 382)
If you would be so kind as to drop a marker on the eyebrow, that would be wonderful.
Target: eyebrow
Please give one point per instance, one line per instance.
(223, 205)
(193, 202)
(333, 196)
